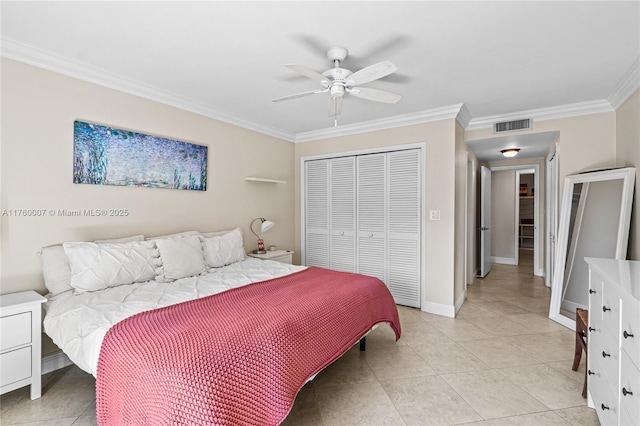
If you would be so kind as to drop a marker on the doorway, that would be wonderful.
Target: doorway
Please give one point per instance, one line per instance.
(510, 238)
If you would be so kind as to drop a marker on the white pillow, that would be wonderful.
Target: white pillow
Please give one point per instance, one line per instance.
(55, 265)
(218, 233)
(181, 257)
(177, 235)
(99, 266)
(122, 240)
(55, 269)
(224, 249)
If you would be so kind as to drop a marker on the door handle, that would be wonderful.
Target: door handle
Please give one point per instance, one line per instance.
(483, 228)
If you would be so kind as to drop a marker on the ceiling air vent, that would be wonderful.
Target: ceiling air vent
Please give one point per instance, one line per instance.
(509, 126)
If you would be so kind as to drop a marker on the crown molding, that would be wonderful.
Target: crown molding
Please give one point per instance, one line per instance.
(540, 114)
(22, 52)
(629, 83)
(426, 116)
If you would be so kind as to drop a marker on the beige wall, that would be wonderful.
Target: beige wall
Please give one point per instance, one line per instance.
(628, 155)
(584, 142)
(440, 179)
(38, 110)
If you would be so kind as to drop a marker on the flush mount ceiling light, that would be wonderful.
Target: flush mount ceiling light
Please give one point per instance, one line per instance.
(511, 152)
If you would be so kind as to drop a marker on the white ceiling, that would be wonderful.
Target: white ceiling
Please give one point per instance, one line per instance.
(226, 59)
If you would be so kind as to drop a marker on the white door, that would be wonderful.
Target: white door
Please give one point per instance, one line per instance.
(404, 226)
(317, 213)
(371, 207)
(485, 221)
(552, 215)
(342, 249)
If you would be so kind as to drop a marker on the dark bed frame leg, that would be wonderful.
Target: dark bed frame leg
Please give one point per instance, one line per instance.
(363, 344)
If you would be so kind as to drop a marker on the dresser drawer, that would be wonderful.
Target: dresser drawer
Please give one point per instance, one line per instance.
(630, 327)
(630, 382)
(15, 330)
(595, 300)
(19, 362)
(611, 295)
(604, 353)
(605, 398)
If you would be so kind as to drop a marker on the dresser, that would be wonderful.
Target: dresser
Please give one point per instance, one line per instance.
(20, 341)
(613, 368)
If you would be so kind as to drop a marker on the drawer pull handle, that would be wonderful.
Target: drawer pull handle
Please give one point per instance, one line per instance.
(604, 354)
(626, 392)
(605, 309)
(592, 291)
(592, 329)
(626, 335)
(589, 372)
(604, 407)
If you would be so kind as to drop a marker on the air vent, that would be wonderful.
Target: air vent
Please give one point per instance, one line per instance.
(510, 126)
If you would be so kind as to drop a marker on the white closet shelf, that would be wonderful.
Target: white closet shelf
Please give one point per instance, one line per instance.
(259, 179)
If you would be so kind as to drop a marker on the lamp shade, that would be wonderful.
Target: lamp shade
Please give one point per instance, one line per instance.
(266, 225)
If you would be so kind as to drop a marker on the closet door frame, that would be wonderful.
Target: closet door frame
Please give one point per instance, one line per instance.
(422, 146)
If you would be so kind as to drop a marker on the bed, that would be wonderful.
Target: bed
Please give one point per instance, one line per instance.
(229, 340)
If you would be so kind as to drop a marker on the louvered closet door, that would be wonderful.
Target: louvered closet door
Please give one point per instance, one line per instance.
(404, 230)
(317, 213)
(342, 251)
(371, 212)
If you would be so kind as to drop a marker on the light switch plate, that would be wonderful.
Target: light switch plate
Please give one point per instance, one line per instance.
(434, 215)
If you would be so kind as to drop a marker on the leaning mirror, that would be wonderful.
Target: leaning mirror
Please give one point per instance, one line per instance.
(595, 215)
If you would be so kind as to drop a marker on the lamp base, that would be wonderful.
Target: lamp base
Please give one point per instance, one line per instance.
(259, 252)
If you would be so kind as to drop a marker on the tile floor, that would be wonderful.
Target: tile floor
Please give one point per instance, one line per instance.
(501, 361)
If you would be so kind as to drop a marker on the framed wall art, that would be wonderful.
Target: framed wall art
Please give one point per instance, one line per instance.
(109, 156)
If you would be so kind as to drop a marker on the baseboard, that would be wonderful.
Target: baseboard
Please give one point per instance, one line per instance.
(55, 361)
(439, 309)
(460, 300)
(504, 260)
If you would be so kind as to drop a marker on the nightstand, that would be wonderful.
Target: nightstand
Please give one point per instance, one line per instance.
(21, 341)
(282, 256)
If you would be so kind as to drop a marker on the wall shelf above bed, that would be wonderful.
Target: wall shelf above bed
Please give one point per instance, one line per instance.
(259, 179)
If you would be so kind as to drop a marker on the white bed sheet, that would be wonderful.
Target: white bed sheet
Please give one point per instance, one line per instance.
(78, 323)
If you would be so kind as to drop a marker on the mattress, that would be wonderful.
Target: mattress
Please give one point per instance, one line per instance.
(78, 323)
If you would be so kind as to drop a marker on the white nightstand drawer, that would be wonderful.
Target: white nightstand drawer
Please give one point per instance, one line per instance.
(16, 330)
(20, 362)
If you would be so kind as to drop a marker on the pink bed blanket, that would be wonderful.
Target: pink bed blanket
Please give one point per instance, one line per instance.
(237, 357)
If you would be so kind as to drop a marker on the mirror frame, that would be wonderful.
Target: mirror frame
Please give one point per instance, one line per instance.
(627, 175)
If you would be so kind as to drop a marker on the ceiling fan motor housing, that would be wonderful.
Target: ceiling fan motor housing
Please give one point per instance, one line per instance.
(337, 74)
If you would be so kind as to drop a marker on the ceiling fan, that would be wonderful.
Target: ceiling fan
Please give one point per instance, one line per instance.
(337, 81)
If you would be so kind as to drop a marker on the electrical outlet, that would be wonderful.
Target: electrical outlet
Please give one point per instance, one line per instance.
(434, 215)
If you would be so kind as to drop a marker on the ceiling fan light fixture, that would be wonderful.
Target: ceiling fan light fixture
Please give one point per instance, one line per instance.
(510, 152)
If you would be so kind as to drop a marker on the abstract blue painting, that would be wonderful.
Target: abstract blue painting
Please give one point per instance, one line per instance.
(108, 156)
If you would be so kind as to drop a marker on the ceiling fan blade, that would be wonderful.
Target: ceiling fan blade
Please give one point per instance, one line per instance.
(308, 72)
(375, 95)
(372, 72)
(335, 106)
(298, 95)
